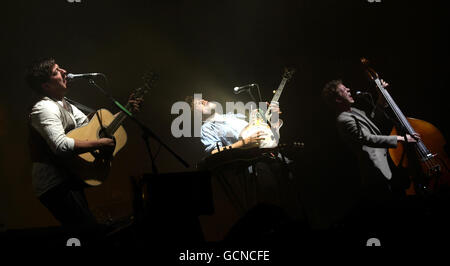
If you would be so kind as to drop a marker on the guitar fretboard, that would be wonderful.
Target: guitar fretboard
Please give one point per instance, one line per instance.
(423, 151)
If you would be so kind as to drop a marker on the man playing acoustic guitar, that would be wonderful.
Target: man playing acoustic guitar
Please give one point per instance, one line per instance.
(51, 117)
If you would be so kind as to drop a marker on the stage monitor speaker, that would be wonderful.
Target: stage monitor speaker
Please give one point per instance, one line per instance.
(167, 205)
(184, 192)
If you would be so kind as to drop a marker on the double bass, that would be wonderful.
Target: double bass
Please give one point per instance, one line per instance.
(425, 161)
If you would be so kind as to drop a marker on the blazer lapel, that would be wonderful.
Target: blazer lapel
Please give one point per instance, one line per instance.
(364, 118)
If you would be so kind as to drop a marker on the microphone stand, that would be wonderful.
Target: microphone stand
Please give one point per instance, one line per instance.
(147, 133)
(254, 100)
(251, 95)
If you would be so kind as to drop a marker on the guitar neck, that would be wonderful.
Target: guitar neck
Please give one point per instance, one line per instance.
(116, 123)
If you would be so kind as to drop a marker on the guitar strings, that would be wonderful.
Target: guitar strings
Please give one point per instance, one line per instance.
(421, 149)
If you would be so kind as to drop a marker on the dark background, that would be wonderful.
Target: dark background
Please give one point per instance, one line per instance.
(210, 47)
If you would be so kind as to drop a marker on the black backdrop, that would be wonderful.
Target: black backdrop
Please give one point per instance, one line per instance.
(210, 47)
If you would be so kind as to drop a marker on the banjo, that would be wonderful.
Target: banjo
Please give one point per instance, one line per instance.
(258, 118)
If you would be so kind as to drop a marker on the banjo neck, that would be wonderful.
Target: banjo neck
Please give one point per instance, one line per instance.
(277, 94)
(287, 75)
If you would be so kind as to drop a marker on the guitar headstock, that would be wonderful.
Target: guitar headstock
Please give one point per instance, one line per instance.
(288, 72)
(137, 96)
(149, 80)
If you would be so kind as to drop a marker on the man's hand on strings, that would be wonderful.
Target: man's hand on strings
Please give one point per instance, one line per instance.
(135, 103)
(381, 100)
(107, 146)
(273, 114)
(411, 139)
(254, 139)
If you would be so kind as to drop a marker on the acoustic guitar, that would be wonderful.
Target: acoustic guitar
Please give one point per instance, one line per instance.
(93, 167)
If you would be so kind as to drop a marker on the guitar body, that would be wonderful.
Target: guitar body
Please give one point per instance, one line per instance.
(257, 124)
(93, 167)
(90, 167)
(418, 170)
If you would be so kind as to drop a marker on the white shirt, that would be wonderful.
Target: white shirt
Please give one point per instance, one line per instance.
(46, 119)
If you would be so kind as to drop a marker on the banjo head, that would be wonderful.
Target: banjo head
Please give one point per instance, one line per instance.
(269, 140)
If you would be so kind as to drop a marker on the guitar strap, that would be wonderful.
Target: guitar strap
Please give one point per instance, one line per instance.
(83, 108)
(217, 146)
(86, 110)
(67, 106)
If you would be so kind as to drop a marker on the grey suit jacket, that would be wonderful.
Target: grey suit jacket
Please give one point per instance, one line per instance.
(366, 141)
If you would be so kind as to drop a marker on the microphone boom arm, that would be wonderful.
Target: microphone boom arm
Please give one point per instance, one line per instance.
(146, 131)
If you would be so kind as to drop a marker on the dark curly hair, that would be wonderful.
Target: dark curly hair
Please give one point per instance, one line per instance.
(38, 73)
(329, 93)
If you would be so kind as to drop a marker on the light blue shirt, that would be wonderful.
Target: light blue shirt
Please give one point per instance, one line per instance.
(222, 130)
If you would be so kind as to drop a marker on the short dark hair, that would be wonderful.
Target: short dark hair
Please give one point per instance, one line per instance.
(329, 91)
(38, 73)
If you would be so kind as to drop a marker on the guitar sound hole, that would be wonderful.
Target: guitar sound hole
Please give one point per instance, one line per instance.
(103, 133)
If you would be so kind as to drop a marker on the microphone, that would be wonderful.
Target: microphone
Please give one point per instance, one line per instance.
(238, 90)
(361, 93)
(71, 76)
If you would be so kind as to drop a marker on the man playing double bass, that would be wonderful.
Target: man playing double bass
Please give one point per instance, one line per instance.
(365, 140)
